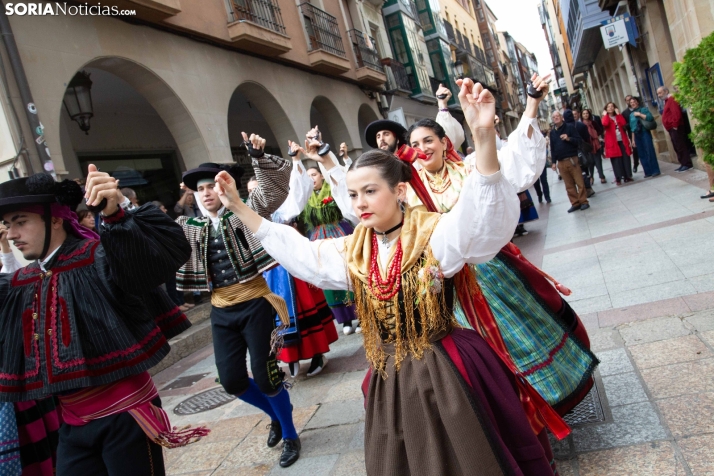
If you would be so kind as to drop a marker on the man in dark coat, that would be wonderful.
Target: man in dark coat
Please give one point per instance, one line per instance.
(76, 323)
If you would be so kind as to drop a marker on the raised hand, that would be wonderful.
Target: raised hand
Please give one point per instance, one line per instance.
(101, 186)
(294, 150)
(257, 144)
(312, 145)
(477, 104)
(343, 150)
(4, 243)
(227, 190)
(443, 94)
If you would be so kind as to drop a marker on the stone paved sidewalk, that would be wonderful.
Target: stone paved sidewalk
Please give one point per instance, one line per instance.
(641, 273)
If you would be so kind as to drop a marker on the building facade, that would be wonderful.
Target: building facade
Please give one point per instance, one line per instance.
(175, 85)
(659, 33)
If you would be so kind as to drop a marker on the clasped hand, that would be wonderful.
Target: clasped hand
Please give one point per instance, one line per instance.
(477, 104)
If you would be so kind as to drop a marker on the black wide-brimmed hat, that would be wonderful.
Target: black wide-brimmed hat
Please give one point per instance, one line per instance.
(38, 189)
(209, 170)
(384, 125)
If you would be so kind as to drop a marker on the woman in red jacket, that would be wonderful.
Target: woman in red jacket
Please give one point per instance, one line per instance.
(617, 145)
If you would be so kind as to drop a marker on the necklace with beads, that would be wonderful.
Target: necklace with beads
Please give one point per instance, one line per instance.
(385, 289)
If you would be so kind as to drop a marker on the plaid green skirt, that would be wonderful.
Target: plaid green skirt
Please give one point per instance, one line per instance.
(552, 361)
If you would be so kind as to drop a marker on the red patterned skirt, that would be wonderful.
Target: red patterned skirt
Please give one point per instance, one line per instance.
(317, 327)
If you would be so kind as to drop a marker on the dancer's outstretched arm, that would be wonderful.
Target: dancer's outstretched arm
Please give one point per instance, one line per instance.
(487, 212)
(320, 263)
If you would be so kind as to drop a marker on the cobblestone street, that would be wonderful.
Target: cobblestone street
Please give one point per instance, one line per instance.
(640, 263)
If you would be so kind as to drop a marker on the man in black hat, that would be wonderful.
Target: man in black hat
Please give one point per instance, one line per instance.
(228, 261)
(386, 135)
(76, 323)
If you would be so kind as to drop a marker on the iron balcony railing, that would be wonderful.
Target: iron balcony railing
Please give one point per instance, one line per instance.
(322, 29)
(365, 51)
(449, 31)
(265, 13)
(399, 78)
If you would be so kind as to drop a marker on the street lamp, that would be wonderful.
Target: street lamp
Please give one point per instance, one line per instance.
(78, 100)
(459, 67)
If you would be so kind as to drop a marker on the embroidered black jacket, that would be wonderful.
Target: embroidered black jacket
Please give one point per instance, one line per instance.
(95, 316)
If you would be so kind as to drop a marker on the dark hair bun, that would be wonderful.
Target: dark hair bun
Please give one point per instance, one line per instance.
(389, 166)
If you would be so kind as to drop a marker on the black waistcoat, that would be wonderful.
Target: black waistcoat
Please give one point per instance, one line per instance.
(219, 263)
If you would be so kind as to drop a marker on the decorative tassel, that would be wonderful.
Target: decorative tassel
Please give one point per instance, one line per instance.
(181, 437)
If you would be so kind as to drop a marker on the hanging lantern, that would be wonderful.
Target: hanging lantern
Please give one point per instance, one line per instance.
(459, 67)
(78, 100)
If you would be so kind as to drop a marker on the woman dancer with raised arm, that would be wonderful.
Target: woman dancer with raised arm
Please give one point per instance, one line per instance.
(439, 402)
(321, 218)
(311, 329)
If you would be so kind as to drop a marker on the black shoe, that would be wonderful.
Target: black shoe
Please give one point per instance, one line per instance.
(708, 195)
(656, 175)
(634, 169)
(318, 363)
(584, 206)
(540, 199)
(574, 208)
(275, 435)
(679, 169)
(684, 168)
(291, 452)
(547, 200)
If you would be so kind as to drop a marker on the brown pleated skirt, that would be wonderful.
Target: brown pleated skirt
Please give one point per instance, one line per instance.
(420, 421)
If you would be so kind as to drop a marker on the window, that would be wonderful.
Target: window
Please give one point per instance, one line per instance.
(400, 49)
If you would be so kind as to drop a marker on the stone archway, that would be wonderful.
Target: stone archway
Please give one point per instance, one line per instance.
(163, 99)
(327, 117)
(365, 116)
(252, 105)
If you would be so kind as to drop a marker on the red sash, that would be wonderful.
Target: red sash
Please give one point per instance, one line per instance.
(540, 414)
(134, 395)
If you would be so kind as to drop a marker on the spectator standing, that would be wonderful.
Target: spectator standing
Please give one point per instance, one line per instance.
(617, 144)
(673, 122)
(572, 117)
(131, 195)
(541, 185)
(595, 159)
(564, 140)
(86, 219)
(642, 137)
(186, 206)
(626, 114)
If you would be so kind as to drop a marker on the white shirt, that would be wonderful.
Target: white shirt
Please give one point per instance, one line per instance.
(480, 224)
(301, 186)
(522, 158)
(10, 264)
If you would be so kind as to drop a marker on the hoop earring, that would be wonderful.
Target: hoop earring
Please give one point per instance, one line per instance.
(402, 205)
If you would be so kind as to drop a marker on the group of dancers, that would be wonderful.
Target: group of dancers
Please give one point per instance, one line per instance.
(473, 352)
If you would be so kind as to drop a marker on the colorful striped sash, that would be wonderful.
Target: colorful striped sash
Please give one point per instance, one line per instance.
(134, 395)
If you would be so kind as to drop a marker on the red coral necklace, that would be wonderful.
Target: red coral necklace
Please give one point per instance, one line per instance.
(385, 289)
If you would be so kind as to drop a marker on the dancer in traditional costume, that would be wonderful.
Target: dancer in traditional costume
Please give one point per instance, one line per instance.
(440, 401)
(227, 260)
(320, 219)
(75, 324)
(312, 328)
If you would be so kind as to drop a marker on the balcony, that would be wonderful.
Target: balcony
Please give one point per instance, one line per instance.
(257, 25)
(397, 77)
(369, 70)
(449, 32)
(326, 52)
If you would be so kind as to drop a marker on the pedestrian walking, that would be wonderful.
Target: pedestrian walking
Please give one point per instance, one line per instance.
(641, 123)
(571, 116)
(626, 114)
(595, 157)
(617, 143)
(564, 141)
(541, 185)
(673, 122)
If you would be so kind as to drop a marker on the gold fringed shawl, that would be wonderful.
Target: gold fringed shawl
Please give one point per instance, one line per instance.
(411, 325)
